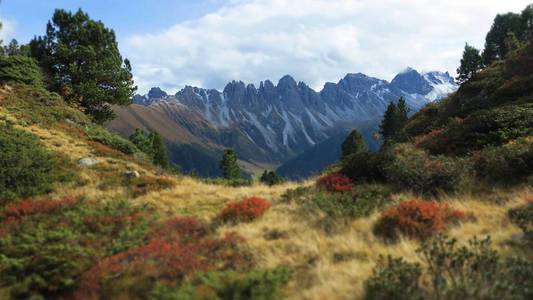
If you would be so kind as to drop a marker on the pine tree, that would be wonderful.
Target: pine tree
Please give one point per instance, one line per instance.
(527, 23)
(388, 128)
(140, 139)
(228, 165)
(270, 178)
(403, 111)
(84, 64)
(160, 157)
(471, 63)
(353, 143)
(495, 40)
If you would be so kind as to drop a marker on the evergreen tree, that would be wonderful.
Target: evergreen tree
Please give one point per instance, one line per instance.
(495, 40)
(511, 42)
(12, 48)
(228, 165)
(402, 111)
(84, 64)
(471, 63)
(270, 178)
(160, 157)
(388, 128)
(353, 143)
(527, 23)
(140, 139)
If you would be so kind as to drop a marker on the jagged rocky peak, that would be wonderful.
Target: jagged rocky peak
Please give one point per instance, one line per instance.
(287, 82)
(156, 93)
(358, 82)
(411, 82)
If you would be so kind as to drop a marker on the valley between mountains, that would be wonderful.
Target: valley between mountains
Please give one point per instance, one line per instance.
(274, 125)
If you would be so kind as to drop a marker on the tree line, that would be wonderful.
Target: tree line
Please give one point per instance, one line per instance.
(508, 32)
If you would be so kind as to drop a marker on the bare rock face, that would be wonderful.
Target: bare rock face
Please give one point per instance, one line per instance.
(275, 122)
(87, 162)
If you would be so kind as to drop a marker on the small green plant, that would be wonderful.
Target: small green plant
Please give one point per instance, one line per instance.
(270, 178)
(472, 271)
(522, 216)
(364, 166)
(27, 168)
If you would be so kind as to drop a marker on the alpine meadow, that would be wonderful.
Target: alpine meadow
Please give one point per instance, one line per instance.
(206, 187)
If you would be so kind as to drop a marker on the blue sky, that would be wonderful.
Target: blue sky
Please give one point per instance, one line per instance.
(207, 43)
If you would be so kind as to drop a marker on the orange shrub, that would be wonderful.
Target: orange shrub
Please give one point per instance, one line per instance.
(335, 182)
(245, 210)
(427, 138)
(417, 219)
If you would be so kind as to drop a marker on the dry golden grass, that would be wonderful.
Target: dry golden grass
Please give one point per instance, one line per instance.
(324, 266)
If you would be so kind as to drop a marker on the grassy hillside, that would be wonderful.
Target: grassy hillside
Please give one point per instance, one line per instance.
(85, 215)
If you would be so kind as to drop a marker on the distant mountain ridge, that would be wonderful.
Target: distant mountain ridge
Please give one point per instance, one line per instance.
(271, 124)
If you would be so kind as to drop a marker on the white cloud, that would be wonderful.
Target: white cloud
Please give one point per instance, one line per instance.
(313, 40)
(8, 30)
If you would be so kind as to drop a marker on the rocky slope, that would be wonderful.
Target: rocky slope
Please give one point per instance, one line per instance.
(271, 124)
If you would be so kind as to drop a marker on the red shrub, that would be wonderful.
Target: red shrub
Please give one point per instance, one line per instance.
(135, 271)
(424, 140)
(245, 210)
(529, 199)
(335, 182)
(180, 229)
(26, 207)
(418, 219)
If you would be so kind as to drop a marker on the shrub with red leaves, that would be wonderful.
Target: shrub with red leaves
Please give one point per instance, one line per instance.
(426, 139)
(417, 219)
(26, 207)
(335, 182)
(245, 210)
(179, 247)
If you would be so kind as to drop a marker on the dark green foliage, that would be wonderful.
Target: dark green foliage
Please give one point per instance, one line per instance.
(394, 120)
(140, 139)
(522, 216)
(228, 285)
(388, 128)
(27, 168)
(20, 69)
(43, 255)
(228, 165)
(394, 278)
(495, 47)
(474, 271)
(510, 163)
(106, 137)
(353, 143)
(365, 166)
(160, 155)
(414, 169)
(484, 128)
(83, 62)
(471, 64)
(270, 178)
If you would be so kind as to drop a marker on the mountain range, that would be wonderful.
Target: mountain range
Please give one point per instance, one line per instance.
(273, 124)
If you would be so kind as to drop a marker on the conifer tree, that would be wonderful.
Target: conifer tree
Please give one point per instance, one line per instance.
(84, 64)
(387, 128)
(140, 139)
(160, 157)
(495, 40)
(270, 178)
(471, 63)
(228, 165)
(353, 143)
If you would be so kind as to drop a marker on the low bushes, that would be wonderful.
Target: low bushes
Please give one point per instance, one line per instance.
(509, 163)
(414, 169)
(27, 168)
(22, 69)
(44, 252)
(245, 210)
(27, 207)
(417, 219)
(102, 135)
(145, 184)
(253, 285)
(335, 182)
(364, 166)
(474, 271)
(177, 248)
(522, 216)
